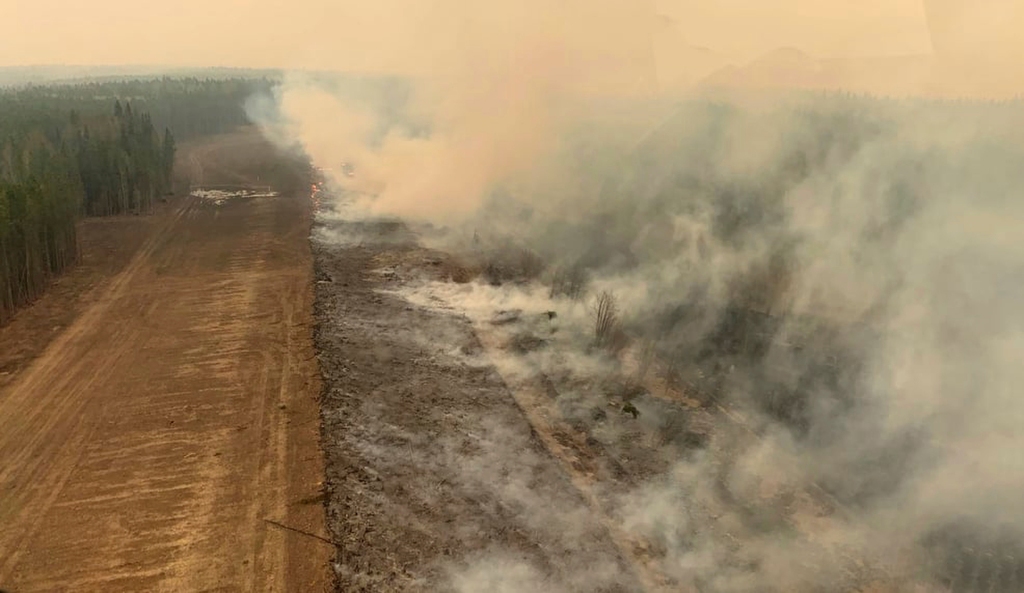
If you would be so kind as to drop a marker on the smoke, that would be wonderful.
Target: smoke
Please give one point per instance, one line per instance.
(841, 273)
(843, 270)
(490, 99)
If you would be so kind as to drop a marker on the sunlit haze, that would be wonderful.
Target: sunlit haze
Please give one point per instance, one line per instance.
(685, 41)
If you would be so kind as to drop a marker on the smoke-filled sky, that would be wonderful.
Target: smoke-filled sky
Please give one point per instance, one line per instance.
(676, 42)
(908, 215)
(357, 34)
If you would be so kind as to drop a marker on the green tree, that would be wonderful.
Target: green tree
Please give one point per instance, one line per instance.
(167, 155)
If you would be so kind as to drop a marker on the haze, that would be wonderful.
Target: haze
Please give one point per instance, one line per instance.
(684, 40)
(269, 33)
(572, 295)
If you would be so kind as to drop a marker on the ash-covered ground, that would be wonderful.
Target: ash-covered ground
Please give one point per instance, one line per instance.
(770, 348)
(479, 436)
(473, 446)
(435, 479)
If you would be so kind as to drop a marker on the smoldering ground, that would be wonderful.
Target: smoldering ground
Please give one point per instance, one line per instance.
(845, 268)
(843, 273)
(849, 286)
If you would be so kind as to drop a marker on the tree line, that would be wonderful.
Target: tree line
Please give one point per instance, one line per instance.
(191, 107)
(51, 175)
(94, 149)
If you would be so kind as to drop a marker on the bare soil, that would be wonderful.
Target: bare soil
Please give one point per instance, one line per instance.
(107, 244)
(160, 421)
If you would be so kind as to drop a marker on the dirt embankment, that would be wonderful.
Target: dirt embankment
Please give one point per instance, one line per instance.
(162, 435)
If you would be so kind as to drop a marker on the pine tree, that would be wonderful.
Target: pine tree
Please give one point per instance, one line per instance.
(62, 155)
(167, 155)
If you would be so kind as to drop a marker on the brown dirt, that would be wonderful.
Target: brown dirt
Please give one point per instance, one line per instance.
(107, 246)
(164, 438)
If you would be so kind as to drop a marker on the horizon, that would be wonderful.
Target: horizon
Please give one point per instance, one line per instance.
(682, 45)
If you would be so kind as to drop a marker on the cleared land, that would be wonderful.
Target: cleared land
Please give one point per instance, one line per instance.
(159, 405)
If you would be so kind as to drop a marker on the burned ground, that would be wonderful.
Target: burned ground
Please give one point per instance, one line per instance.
(452, 441)
(468, 449)
(431, 466)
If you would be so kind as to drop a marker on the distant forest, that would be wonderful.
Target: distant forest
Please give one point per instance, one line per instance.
(92, 149)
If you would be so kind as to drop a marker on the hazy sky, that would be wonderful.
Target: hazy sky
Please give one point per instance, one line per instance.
(283, 33)
(744, 28)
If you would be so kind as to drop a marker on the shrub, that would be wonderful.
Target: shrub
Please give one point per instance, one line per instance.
(646, 359)
(512, 265)
(569, 282)
(608, 333)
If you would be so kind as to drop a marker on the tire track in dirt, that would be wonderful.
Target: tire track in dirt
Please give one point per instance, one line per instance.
(51, 392)
(146, 447)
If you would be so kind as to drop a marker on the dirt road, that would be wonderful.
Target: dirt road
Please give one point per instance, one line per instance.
(167, 438)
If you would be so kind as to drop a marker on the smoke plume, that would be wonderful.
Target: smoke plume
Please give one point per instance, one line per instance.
(844, 270)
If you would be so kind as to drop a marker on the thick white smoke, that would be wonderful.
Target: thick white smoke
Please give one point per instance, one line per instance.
(845, 270)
